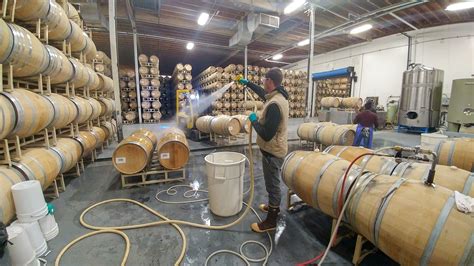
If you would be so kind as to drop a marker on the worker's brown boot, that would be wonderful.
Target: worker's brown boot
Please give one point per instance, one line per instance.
(264, 207)
(270, 223)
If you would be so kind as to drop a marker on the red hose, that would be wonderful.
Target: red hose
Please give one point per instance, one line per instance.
(311, 260)
(341, 193)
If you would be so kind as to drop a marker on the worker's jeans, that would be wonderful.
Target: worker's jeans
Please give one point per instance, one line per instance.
(272, 172)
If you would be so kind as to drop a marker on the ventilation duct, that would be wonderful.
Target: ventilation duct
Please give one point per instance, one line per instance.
(254, 23)
(90, 13)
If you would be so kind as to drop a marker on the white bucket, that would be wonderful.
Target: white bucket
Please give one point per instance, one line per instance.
(29, 201)
(20, 250)
(430, 141)
(49, 227)
(35, 235)
(225, 177)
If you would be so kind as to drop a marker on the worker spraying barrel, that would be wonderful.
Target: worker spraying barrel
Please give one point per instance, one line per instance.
(272, 139)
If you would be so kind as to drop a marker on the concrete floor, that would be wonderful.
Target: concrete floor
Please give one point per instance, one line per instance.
(305, 233)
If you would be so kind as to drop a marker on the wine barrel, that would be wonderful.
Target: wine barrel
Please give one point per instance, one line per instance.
(146, 115)
(60, 69)
(229, 68)
(107, 106)
(143, 58)
(101, 56)
(225, 125)
(245, 124)
(155, 83)
(188, 67)
(91, 50)
(65, 111)
(88, 142)
(144, 82)
(96, 108)
(134, 153)
(352, 102)
(131, 116)
(143, 70)
(108, 129)
(388, 211)
(26, 54)
(155, 71)
(449, 177)
(8, 177)
(155, 94)
(145, 94)
(156, 116)
(72, 14)
(77, 38)
(146, 105)
(7, 116)
(203, 123)
(154, 59)
(29, 10)
(59, 25)
(307, 131)
(457, 152)
(94, 80)
(253, 104)
(335, 135)
(106, 83)
(81, 75)
(156, 105)
(39, 164)
(328, 102)
(69, 150)
(33, 112)
(84, 109)
(132, 94)
(172, 148)
(131, 73)
(100, 136)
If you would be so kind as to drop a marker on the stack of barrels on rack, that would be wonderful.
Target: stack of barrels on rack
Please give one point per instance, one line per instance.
(224, 125)
(150, 88)
(296, 84)
(128, 95)
(327, 133)
(333, 87)
(182, 77)
(48, 113)
(136, 152)
(103, 64)
(408, 220)
(344, 103)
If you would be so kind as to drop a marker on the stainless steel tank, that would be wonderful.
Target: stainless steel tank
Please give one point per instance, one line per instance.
(461, 104)
(420, 102)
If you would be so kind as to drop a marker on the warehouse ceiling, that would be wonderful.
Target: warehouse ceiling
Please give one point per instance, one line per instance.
(165, 26)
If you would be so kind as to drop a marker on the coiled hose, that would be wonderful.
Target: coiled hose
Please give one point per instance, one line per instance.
(174, 223)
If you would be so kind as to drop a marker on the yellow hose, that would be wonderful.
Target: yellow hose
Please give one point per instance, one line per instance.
(174, 223)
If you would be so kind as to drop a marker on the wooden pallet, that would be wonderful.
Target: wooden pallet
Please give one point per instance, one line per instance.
(164, 176)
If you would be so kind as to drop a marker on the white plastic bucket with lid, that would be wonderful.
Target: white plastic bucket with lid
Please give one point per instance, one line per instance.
(20, 250)
(430, 141)
(29, 201)
(35, 236)
(49, 227)
(225, 177)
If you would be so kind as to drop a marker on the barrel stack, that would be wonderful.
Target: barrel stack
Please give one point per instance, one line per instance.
(150, 88)
(57, 106)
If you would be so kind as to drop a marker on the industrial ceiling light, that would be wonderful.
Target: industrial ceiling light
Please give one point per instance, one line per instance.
(303, 42)
(203, 18)
(361, 28)
(294, 5)
(460, 5)
(277, 57)
(190, 45)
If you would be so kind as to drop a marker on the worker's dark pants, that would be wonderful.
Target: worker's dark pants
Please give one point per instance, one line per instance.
(272, 172)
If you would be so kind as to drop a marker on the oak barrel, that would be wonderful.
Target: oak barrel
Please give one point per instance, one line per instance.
(410, 222)
(225, 125)
(84, 109)
(59, 26)
(457, 152)
(81, 75)
(307, 131)
(7, 116)
(100, 136)
(88, 142)
(106, 83)
(131, 116)
(94, 80)
(156, 115)
(96, 108)
(8, 177)
(72, 13)
(77, 38)
(65, 110)
(352, 102)
(33, 112)
(60, 69)
(39, 164)
(143, 58)
(69, 150)
(328, 102)
(245, 124)
(108, 129)
(335, 135)
(134, 153)
(172, 148)
(28, 10)
(203, 123)
(107, 106)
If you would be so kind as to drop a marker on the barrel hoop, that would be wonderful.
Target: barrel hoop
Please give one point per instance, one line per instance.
(401, 169)
(437, 229)
(285, 163)
(451, 152)
(10, 46)
(27, 173)
(388, 168)
(468, 184)
(61, 156)
(314, 194)
(292, 176)
(383, 207)
(357, 196)
(80, 144)
(337, 191)
(56, 110)
(41, 168)
(2, 129)
(342, 150)
(18, 109)
(328, 149)
(468, 256)
(341, 138)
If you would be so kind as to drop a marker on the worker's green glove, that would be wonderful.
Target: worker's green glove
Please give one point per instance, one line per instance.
(253, 117)
(50, 208)
(243, 81)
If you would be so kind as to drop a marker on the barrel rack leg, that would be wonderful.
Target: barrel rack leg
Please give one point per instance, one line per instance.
(341, 236)
(360, 254)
